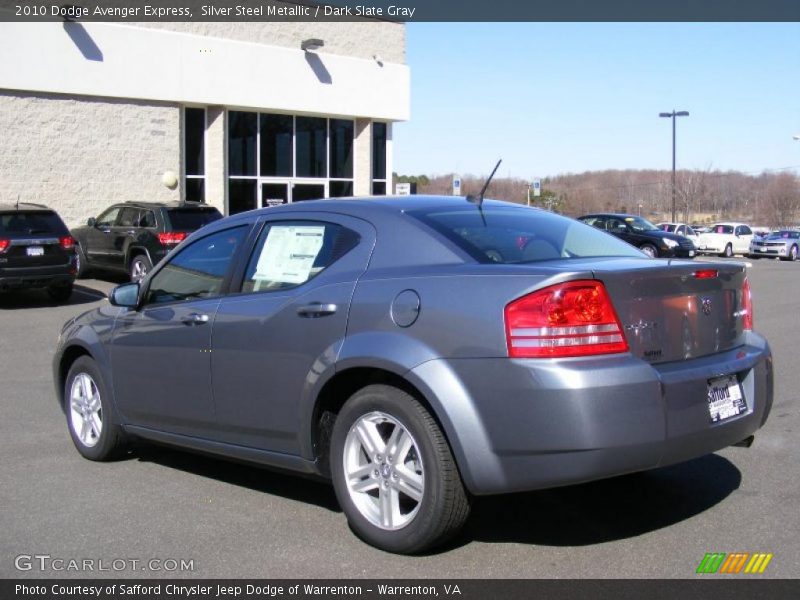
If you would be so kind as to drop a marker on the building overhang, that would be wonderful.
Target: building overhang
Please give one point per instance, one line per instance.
(125, 61)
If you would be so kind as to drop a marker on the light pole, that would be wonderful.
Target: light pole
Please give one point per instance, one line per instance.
(672, 115)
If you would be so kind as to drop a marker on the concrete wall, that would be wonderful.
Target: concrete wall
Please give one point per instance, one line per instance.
(78, 155)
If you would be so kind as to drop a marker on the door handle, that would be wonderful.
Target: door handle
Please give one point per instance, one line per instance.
(194, 319)
(106, 231)
(316, 309)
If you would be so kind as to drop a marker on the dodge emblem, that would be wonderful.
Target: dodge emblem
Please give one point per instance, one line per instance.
(706, 304)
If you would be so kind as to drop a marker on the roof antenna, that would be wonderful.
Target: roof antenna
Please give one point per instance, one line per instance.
(17, 201)
(479, 198)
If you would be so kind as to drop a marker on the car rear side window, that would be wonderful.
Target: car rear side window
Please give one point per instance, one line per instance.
(190, 219)
(509, 235)
(197, 271)
(31, 223)
(289, 254)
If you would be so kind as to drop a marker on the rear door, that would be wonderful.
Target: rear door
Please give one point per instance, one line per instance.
(286, 325)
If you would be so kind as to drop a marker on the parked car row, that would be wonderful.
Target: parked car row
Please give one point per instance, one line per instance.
(323, 337)
(654, 241)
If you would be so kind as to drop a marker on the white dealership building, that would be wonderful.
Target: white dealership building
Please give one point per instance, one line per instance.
(238, 115)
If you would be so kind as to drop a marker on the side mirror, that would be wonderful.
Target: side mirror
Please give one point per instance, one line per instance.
(90, 221)
(125, 295)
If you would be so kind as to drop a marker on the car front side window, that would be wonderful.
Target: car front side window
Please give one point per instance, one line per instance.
(197, 271)
(108, 218)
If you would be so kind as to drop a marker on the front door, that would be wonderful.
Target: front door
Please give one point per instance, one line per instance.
(100, 238)
(168, 340)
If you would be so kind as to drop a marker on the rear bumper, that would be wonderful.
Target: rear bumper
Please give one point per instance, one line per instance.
(36, 277)
(519, 425)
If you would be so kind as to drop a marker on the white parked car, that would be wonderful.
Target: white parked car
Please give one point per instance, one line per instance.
(681, 229)
(726, 239)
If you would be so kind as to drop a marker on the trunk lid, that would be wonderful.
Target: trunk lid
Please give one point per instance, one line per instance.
(670, 313)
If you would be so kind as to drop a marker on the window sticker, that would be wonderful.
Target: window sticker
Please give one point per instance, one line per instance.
(288, 254)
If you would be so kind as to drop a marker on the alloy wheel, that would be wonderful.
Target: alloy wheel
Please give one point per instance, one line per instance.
(383, 469)
(86, 410)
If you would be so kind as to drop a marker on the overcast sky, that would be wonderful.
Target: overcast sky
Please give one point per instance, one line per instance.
(552, 98)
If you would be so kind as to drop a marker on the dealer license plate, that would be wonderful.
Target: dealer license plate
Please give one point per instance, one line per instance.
(35, 251)
(725, 398)
(691, 253)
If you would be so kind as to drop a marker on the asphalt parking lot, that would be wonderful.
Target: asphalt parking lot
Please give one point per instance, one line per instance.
(232, 520)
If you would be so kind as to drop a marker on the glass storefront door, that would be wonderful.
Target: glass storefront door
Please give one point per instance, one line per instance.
(274, 194)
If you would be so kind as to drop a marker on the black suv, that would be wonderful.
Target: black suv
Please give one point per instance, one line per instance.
(643, 234)
(133, 236)
(36, 250)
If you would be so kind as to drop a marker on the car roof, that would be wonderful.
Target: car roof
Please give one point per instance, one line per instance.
(376, 205)
(734, 223)
(26, 206)
(171, 204)
(605, 214)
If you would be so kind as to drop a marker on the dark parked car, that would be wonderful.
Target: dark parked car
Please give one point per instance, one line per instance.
(36, 250)
(643, 234)
(133, 236)
(387, 344)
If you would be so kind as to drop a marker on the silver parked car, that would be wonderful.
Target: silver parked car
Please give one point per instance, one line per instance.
(781, 244)
(418, 351)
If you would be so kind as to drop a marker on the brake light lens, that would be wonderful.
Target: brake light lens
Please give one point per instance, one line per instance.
(568, 319)
(706, 274)
(172, 238)
(67, 242)
(4, 244)
(747, 306)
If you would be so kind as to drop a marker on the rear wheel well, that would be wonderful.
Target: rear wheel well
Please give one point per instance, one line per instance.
(337, 391)
(133, 253)
(70, 355)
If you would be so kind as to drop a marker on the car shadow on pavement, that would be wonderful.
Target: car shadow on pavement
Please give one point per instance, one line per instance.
(603, 511)
(24, 299)
(268, 481)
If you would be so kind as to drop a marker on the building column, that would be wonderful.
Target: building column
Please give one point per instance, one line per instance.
(216, 158)
(362, 175)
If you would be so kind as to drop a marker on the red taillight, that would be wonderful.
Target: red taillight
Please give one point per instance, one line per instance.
(747, 306)
(67, 242)
(4, 245)
(567, 319)
(706, 274)
(171, 238)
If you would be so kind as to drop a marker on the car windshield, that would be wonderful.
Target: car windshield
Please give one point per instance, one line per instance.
(508, 234)
(638, 224)
(728, 229)
(30, 223)
(189, 219)
(784, 235)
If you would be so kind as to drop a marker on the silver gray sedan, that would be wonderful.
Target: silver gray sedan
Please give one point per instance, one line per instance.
(419, 351)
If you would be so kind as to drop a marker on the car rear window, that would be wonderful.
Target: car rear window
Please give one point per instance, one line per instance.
(189, 219)
(31, 223)
(507, 235)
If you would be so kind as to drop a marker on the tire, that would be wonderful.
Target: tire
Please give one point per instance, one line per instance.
(61, 292)
(650, 250)
(728, 252)
(81, 265)
(91, 420)
(140, 267)
(792, 254)
(428, 503)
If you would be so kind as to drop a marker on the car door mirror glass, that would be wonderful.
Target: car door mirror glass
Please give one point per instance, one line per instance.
(125, 295)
